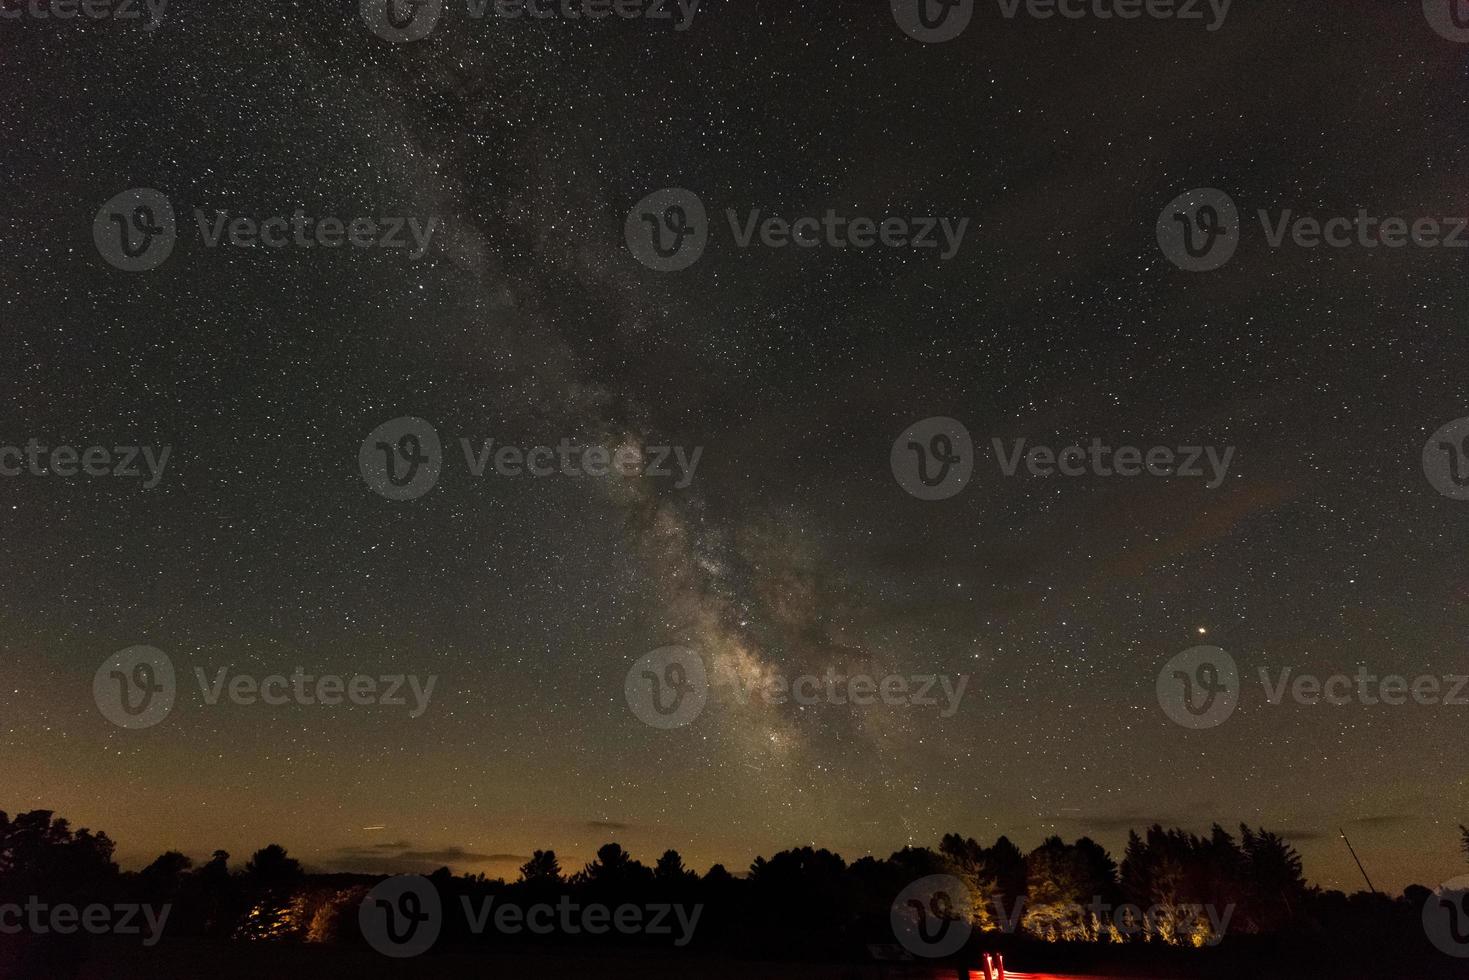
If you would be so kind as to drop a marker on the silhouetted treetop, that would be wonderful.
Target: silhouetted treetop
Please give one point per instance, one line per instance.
(271, 867)
(542, 868)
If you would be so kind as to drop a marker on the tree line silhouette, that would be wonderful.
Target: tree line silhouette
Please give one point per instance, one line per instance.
(802, 903)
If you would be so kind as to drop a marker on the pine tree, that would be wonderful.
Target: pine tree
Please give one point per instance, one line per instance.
(542, 868)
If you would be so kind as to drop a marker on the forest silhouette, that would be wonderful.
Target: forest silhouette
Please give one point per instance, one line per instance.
(1058, 900)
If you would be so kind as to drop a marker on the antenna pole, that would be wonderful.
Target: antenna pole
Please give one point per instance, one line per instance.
(1358, 860)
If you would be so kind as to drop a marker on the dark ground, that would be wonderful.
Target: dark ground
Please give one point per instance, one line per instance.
(189, 960)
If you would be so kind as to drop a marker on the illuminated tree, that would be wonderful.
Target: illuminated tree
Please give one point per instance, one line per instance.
(965, 859)
(1181, 878)
(332, 915)
(277, 910)
(1064, 882)
(1169, 875)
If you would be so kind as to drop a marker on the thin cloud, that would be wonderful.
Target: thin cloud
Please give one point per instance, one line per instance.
(401, 858)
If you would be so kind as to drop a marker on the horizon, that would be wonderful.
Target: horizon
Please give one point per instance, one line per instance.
(507, 865)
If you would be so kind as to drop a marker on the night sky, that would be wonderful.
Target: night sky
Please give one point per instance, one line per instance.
(793, 549)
